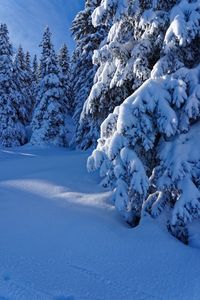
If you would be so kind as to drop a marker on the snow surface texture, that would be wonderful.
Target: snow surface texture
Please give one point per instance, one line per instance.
(61, 239)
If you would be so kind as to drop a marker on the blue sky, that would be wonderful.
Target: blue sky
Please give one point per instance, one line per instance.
(26, 20)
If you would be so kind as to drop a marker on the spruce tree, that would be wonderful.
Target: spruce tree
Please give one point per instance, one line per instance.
(64, 63)
(125, 61)
(22, 77)
(30, 82)
(12, 132)
(48, 123)
(87, 38)
(35, 69)
(35, 80)
(149, 146)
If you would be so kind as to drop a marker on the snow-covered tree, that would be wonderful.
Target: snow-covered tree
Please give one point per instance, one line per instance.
(35, 69)
(125, 59)
(22, 76)
(64, 63)
(28, 60)
(149, 148)
(48, 124)
(35, 78)
(30, 82)
(12, 131)
(87, 38)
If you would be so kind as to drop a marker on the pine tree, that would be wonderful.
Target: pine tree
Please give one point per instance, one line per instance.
(35, 79)
(22, 77)
(30, 83)
(88, 38)
(19, 80)
(12, 132)
(64, 63)
(35, 69)
(125, 61)
(149, 146)
(48, 123)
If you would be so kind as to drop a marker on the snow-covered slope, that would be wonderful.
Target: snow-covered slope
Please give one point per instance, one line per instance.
(61, 239)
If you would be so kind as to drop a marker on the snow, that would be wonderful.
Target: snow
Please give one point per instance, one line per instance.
(61, 238)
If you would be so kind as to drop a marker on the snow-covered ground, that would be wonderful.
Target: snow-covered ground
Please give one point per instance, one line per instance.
(61, 239)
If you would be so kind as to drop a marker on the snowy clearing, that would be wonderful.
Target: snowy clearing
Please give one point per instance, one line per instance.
(62, 240)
